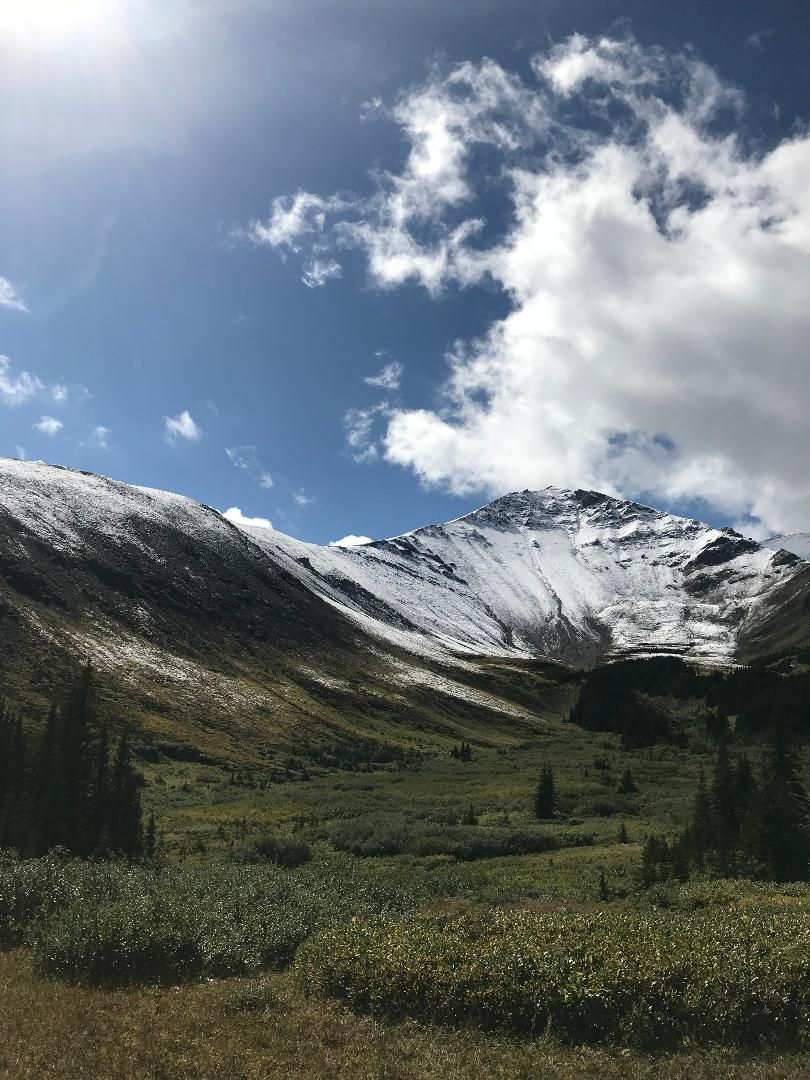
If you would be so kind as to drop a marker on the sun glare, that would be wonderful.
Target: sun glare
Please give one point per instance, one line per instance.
(55, 18)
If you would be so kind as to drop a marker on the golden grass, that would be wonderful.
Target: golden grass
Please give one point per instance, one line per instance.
(48, 1030)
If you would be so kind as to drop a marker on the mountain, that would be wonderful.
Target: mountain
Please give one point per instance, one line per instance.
(201, 634)
(797, 543)
(575, 576)
(241, 641)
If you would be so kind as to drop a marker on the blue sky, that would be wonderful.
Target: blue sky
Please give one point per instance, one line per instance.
(157, 328)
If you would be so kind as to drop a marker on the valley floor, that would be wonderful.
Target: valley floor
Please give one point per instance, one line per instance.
(202, 1031)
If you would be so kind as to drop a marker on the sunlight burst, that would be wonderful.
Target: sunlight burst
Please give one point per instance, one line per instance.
(58, 18)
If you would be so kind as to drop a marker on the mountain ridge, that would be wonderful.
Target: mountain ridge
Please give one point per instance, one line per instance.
(221, 635)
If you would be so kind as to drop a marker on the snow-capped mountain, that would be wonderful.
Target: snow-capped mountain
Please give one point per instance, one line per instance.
(569, 575)
(573, 576)
(797, 543)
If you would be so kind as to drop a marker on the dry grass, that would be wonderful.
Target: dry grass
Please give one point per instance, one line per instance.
(48, 1030)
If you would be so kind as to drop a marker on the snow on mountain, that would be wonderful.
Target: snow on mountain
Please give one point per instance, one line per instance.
(570, 575)
(797, 543)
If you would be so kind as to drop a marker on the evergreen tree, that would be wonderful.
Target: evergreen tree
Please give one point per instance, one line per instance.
(724, 808)
(782, 841)
(545, 797)
(627, 784)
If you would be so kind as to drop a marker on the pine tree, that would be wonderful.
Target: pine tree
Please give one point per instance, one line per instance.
(724, 808)
(125, 804)
(702, 831)
(545, 797)
(781, 834)
(150, 838)
(627, 784)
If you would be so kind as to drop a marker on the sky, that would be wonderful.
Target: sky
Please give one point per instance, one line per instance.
(354, 266)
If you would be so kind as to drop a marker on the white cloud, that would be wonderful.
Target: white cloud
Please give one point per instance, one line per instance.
(302, 499)
(361, 437)
(20, 452)
(49, 425)
(64, 392)
(351, 541)
(98, 438)
(245, 457)
(296, 222)
(182, 426)
(657, 267)
(9, 297)
(16, 389)
(235, 515)
(388, 378)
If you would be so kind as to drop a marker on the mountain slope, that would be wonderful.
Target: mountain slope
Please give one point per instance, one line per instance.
(797, 543)
(241, 642)
(571, 575)
(201, 633)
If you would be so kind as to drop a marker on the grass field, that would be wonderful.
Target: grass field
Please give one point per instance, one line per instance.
(421, 864)
(262, 1029)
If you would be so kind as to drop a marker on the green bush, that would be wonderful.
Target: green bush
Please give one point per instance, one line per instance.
(111, 923)
(720, 976)
(282, 850)
(393, 835)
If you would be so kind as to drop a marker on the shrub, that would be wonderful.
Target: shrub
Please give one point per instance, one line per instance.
(282, 850)
(111, 923)
(637, 979)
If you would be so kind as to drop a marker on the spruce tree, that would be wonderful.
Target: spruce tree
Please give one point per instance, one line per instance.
(545, 797)
(781, 836)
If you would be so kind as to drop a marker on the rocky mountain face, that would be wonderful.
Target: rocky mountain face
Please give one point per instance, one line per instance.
(575, 576)
(197, 618)
(797, 543)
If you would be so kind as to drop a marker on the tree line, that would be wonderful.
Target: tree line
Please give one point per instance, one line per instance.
(63, 784)
(745, 822)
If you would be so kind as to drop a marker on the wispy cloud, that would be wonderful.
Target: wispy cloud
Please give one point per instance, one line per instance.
(16, 389)
(62, 392)
(351, 541)
(98, 438)
(295, 222)
(757, 39)
(361, 427)
(245, 457)
(48, 425)
(388, 378)
(300, 498)
(652, 261)
(182, 426)
(9, 297)
(235, 515)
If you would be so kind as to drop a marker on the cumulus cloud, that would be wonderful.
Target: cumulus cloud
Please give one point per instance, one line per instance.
(388, 378)
(49, 425)
(235, 515)
(16, 389)
(351, 541)
(657, 264)
(9, 297)
(245, 457)
(182, 426)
